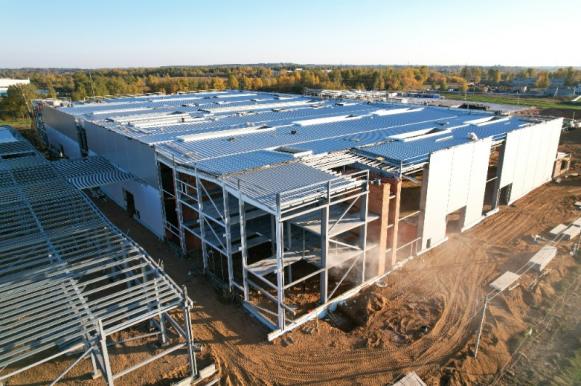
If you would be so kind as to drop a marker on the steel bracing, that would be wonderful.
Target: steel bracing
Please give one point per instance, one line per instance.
(69, 279)
(322, 225)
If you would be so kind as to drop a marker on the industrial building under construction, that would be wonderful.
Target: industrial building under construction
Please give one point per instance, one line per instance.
(296, 203)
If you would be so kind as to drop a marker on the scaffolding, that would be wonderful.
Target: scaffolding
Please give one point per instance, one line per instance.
(69, 279)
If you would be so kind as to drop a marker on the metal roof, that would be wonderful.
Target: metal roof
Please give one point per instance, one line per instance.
(90, 172)
(307, 124)
(292, 181)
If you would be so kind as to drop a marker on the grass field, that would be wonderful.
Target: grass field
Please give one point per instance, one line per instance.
(542, 103)
(20, 124)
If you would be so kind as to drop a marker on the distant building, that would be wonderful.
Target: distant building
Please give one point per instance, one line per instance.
(522, 84)
(5, 83)
(560, 91)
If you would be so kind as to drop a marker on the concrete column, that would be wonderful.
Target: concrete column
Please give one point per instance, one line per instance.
(379, 204)
(394, 206)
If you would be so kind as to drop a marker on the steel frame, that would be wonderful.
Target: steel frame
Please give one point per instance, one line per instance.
(69, 279)
(221, 225)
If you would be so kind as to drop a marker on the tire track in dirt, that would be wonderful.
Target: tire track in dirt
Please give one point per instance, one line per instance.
(460, 282)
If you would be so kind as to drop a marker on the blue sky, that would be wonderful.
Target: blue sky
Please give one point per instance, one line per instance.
(126, 33)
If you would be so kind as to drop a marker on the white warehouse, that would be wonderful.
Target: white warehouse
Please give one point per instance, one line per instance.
(277, 195)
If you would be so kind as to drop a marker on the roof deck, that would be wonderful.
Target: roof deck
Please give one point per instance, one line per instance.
(235, 131)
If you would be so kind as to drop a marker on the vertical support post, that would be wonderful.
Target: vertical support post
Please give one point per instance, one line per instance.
(163, 335)
(289, 238)
(363, 211)
(105, 354)
(481, 326)
(304, 243)
(96, 372)
(244, 252)
(273, 233)
(178, 197)
(279, 264)
(324, 285)
(228, 230)
(201, 221)
(188, 331)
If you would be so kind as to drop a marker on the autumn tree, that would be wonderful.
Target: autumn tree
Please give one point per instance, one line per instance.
(18, 100)
(542, 80)
(233, 82)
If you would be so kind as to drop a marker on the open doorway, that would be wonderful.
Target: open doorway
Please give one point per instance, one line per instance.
(455, 221)
(129, 203)
(504, 196)
(493, 180)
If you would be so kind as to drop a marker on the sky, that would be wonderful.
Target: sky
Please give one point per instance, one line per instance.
(131, 33)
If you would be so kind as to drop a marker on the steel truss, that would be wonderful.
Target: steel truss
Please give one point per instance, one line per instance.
(69, 279)
(323, 225)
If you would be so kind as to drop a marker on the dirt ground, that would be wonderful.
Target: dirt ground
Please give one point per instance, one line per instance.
(422, 318)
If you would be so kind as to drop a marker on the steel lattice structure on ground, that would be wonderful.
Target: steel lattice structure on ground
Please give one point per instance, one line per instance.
(69, 279)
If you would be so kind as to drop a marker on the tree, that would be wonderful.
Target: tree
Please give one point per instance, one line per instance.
(542, 80)
(218, 84)
(50, 91)
(477, 75)
(18, 100)
(233, 82)
(530, 72)
(463, 87)
(80, 93)
(494, 75)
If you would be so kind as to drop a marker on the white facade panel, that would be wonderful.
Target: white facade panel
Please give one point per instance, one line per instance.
(436, 203)
(59, 141)
(60, 121)
(129, 155)
(459, 177)
(477, 182)
(147, 203)
(456, 179)
(529, 157)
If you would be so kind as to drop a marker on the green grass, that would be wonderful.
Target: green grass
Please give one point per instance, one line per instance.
(542, 103)
(571, 374)
(20, 124)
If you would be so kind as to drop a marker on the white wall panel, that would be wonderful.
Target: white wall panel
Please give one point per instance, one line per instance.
(147, 203)
(456, 179)
(56, 139)
(529, 157)
(60, 121)
(477, 182)
(460, 166)
(434, 221)
(128, 154)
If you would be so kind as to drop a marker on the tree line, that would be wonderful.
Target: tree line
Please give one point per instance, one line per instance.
(80, 84)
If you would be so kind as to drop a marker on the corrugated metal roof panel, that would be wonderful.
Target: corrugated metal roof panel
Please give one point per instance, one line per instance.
(240, 162)
(263, 185)
(324, 132)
